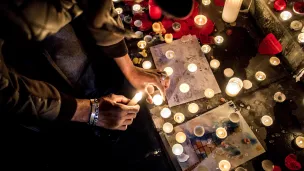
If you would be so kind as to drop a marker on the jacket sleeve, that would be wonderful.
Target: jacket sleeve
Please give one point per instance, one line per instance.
(21, 97)
(108, 40)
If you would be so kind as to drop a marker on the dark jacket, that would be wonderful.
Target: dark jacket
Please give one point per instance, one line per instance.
(26, 24)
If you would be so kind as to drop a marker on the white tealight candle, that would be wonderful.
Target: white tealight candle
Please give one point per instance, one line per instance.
(274, 61)
(260, 76)
(206, 2)
(180, 137)
(224, 165)
(299, 141)
(142, 44)
(234, 86)
(177, 149)
(138, 23)
(168, 70)
(285, 15)
(165, 113)
(221, 133)
(279, 97)
(169, 54)
(167, 127)
(266, 120)
(135, 99)
(176, 26)
(214, 64)
(206, 49)
(179, 117)
(228, 72)
(209, 93)
(192, 67)
(157, 99)
(234, 117)
(193, 108)
(119, 10)
(168, 38)
(301, 37)
(146, 65)
(247, 84)
(218, 40)
(267, 165)
(199, 131)
(184, 88)
(136, 8)
(200, 20)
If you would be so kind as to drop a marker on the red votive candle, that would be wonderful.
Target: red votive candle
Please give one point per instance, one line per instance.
(279, 5)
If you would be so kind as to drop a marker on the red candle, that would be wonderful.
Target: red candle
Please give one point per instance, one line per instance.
(279, 5)
(155, 12)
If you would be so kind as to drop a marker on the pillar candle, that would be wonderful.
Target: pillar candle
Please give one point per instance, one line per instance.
(231, 10)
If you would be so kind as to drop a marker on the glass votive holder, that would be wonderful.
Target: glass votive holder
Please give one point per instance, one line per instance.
(176, 26)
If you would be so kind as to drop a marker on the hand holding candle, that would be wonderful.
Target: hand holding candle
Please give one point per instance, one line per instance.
(135, 99)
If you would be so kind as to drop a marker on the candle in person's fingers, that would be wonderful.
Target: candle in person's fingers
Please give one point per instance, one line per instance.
(135, 99)
(157, 99)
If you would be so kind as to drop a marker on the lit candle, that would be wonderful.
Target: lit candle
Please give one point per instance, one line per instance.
(299, 142)
(193, 108)
(192, 67)
(301, 38)
(234, 86)
(224, 165)
(135, 99)
(136, 8)
(184, 87)
(279, 97)
(209, 93)
(156, 27)
(234, 117)
(167, 127)
(138, 23)
(179, 117)
(200, 20)
(214, 64)
(285, 15)
(168, 70)
(231, 10)
(146, 65)
(169, 54)
(206, 2)
(267, 165)
(199, 131)
(247, 84)
(266, 120)
(177, 149)
(296, 25)
(157, 99)
(141, 44)
(218, 40)
(180, 137)
(165, 113)
(228, 72)
(205, 49)
(168, 38)
(119, 10)
(274, 61)
(176, 26)
(221, 133)
(260, 76)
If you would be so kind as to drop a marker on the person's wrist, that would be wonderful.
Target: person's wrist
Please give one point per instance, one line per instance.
(83, 111)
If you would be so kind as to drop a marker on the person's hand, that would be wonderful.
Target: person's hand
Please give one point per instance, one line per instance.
(144, 80)
(114, 112)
